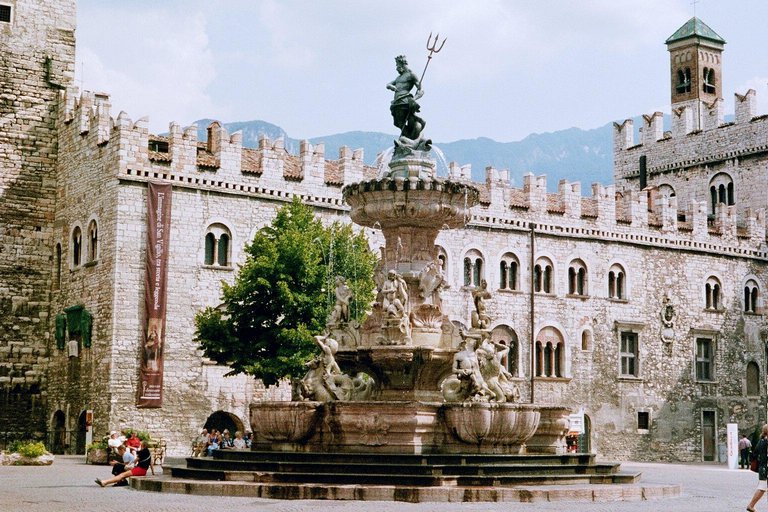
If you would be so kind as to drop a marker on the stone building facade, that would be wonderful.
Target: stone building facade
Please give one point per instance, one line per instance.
(37, 59)
(639, 305)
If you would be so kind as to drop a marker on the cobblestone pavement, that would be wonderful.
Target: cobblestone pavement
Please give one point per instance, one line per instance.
(68, 486)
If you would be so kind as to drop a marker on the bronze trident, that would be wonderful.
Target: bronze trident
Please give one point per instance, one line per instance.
(433, 48)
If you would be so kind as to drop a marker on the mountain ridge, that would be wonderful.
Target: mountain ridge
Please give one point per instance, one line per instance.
(573, 154)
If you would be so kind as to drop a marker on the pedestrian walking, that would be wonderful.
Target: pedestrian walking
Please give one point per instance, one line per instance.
(761, 452)
(745, 449)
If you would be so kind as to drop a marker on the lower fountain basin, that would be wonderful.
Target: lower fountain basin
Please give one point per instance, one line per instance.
(490, 423)
(409, 427)
(285, 422)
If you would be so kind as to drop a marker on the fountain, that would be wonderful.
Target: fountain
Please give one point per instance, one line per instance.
(406, 386)
(406, 403)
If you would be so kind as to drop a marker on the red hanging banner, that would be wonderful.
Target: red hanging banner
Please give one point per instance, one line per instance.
(150, 393)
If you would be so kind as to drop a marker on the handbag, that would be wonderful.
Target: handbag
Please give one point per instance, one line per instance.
(753, 465)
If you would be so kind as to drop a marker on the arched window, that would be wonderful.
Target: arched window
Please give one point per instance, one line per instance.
(93, 241)
(550, 353)
(210, 248)
(473, 268)
(666, 191)
(683, 80)
(77, 246)
(753, 379)
(223, 250)
(218, 246)
(57, 268)
(577, 278)
(467, 272)
(586, 340)
(506, 336)
(477, 272)
(713, 292)
(508, 272)
(616, 282)
(721, 191)
(708, 85)
(442, 260)
(543, 275)
(751, 295)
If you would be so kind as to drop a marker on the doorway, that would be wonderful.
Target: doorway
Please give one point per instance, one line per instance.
(708, 436)
(221, 420)
(80, 440)
(58, 440)
(584, 442)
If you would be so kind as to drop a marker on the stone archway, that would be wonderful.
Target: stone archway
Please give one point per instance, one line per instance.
(80, 434)
(57, 440)
(221, 420)
(585, 438)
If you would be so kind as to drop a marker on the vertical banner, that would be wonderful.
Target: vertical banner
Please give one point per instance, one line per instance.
(732, 442)
(158, 234)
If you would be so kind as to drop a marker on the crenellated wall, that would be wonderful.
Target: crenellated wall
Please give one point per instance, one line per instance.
(665, 249)
(688, 161)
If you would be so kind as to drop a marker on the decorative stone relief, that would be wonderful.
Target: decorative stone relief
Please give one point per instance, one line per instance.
(339, 315)
(668, 316)
(325, 382)
(431, 283)
(480, 318)
(478, 375)
(396, 326)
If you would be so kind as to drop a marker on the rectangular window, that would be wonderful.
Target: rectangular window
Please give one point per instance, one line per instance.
(628, 354)
(643, 421)
(704, 359)
(5, 13)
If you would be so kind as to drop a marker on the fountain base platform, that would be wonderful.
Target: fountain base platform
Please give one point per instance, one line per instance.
(407, 451)
(405, 477)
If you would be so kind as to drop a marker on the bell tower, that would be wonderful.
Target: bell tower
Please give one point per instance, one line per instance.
(695, 62)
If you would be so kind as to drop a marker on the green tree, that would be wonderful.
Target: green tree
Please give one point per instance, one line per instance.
(283, 293)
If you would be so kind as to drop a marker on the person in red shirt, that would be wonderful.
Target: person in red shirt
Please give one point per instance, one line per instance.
(133, 442)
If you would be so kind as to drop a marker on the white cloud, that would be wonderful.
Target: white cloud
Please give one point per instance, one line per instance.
(161, 67)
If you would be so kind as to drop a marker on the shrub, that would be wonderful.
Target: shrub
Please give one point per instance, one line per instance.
(98, 445)
(142, 434)
(29, 449)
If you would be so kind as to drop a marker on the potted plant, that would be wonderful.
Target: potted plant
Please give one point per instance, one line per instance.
(97, 453)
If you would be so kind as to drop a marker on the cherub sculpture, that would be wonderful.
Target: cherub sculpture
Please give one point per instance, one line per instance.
(340, 312)
(431, 283)
(480, 318)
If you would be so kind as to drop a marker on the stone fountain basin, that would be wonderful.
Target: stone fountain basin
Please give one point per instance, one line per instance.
(409, 427)
(417, 202)
(285, 422)
(492, 423)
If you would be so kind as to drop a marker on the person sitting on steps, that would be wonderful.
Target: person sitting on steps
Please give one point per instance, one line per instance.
(124, 463)
(144, 460)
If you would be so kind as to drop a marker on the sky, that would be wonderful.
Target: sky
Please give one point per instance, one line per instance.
(509, 68)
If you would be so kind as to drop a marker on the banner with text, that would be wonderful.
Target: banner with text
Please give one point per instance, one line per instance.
(158, 234)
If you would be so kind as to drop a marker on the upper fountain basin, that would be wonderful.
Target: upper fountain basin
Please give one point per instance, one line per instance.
(410, 202)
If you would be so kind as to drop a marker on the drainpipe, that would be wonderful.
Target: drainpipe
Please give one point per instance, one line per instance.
(532, 225)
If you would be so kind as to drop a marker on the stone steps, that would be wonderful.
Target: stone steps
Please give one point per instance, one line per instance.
(400, 458)
(333, 475)
(403, 477)
(494, 468)
(409, 493)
